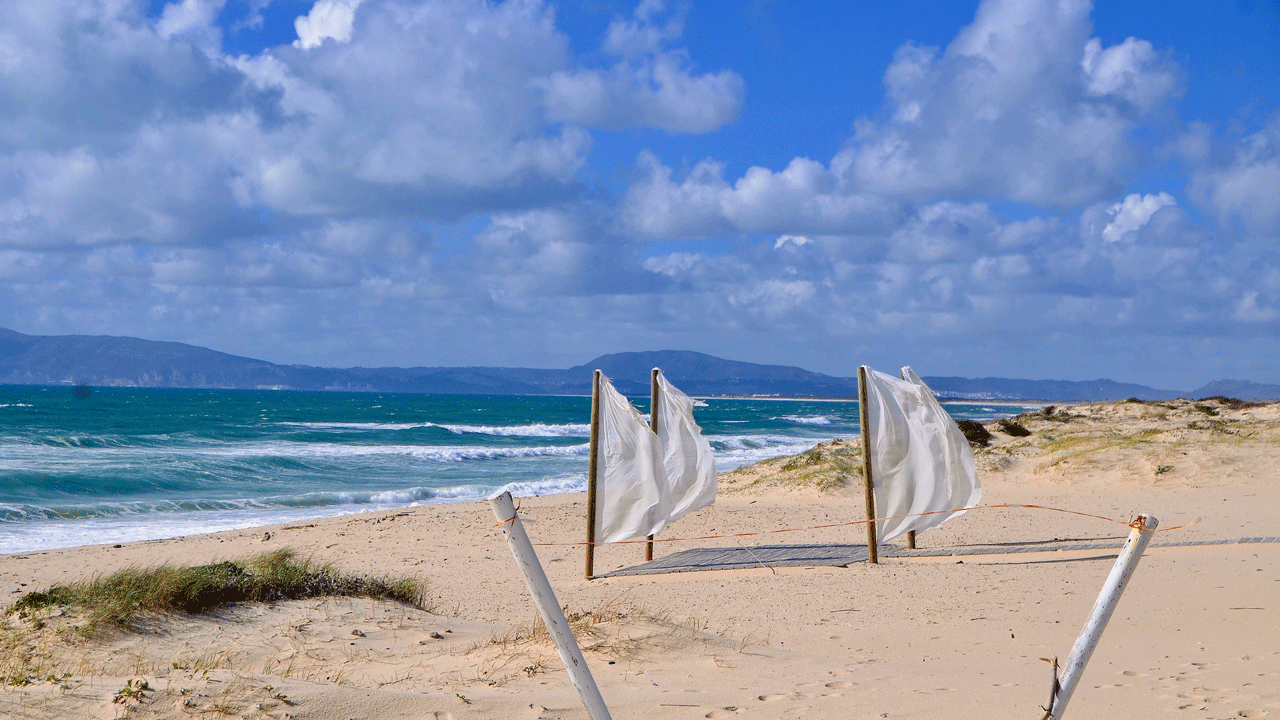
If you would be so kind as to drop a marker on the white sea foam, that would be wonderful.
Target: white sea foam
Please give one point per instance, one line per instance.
(575, 482)
(529, 430)
(124, 523)
(736, 452)
(533, 430)
(442, 453)
(806, 420)
(359, 425)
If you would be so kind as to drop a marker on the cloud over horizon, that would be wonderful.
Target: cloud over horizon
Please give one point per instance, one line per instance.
(461, 182)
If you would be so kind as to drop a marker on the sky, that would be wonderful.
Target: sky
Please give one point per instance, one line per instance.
(1040, 189)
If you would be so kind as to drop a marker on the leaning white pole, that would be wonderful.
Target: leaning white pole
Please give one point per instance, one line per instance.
(548, 606)
(1143, 528)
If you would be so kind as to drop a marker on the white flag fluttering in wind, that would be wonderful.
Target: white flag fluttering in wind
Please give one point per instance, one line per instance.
(920, 461)
(630, 501)
(690, 463)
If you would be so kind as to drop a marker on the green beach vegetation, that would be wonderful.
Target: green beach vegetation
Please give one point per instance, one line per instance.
(117, 600)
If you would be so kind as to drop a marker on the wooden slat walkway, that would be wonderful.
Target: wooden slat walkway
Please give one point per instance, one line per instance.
(766, 556)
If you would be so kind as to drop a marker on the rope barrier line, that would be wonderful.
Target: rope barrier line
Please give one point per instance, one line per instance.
(1002, 506)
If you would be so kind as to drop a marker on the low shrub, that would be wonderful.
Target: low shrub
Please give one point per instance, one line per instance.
(1012, 428)
(974, 432)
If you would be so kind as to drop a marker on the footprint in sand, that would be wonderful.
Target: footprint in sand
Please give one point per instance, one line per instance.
(722, 713)
(770, 698)
(839, 684)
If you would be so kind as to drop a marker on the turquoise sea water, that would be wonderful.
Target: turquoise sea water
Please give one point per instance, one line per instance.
(126, 464)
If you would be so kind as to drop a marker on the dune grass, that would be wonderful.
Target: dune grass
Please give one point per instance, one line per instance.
(117, 600)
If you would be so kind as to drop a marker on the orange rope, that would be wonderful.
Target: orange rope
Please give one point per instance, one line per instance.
(1002, 506)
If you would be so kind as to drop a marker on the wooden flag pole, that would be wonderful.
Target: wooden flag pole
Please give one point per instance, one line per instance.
(653, 425)
(591, 475)
(911, 534)
(873, 555)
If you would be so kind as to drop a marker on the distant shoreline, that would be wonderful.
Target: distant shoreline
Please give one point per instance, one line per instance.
(1007, 402)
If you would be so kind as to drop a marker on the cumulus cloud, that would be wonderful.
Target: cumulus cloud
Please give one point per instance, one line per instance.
(649, 85)
(1022, 104)
(434, 109)
(1132, 214)
(1241, 186)
(803, 198)
(191, 17)
(327, 19)
(408, 173)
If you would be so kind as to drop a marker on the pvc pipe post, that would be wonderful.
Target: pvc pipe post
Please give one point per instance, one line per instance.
(548, 606)
(1143, 528)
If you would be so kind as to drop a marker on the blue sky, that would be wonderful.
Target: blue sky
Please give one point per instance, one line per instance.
(1016, 188)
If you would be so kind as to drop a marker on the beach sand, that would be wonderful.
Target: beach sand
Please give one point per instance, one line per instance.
(1196, 635)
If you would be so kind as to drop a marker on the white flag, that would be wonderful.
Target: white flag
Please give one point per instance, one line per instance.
(630, 501)
(690, 464)
(920, 461)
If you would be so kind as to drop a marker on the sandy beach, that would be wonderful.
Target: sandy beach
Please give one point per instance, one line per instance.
(1197, 634)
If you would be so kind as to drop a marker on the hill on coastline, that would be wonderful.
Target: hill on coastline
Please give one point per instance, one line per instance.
(132, 362)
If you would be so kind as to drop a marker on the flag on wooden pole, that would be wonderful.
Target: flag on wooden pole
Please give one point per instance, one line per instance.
(921, 462)
(629, 496)
(688, 461)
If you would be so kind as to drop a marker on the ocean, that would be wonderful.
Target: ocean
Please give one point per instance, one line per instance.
(112, 465)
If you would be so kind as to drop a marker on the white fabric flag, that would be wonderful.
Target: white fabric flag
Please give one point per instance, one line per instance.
(690, 463)
(630, 501)
(920, 461)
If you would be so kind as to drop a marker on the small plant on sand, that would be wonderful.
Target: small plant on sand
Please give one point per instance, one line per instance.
(1162, 469)
(805, 459)
(132, 690)
(117, 600)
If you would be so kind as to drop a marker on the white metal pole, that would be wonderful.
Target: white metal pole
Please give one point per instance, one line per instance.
(1143, 528)
(548, 606)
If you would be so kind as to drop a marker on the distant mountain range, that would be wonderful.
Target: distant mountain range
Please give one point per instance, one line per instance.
(131, 362)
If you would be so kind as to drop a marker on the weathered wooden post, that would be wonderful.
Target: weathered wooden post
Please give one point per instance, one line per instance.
(873, 554)
(653, 425)
(591, 474)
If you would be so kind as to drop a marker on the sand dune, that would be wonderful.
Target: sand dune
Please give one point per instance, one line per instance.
(1197, 634)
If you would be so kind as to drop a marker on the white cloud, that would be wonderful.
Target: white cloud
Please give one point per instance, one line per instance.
(1133, 213)
(649, 85)
(1249, 310)
(327, 19)
(190, 17)
(803, 198)
(796, 240)
(425, 108)
(1021, 105)
(1130, 70)
(1243, 185)
(409, 173)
